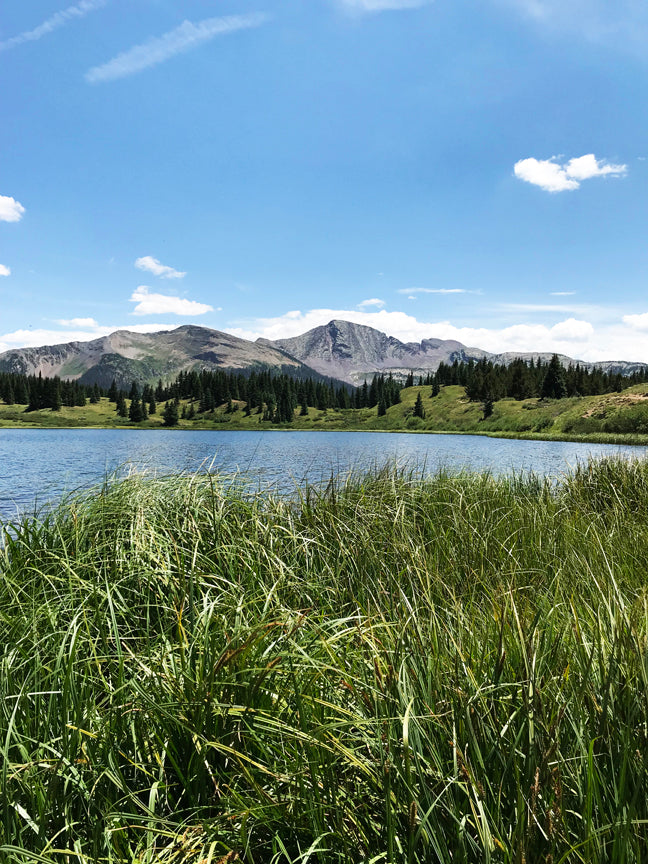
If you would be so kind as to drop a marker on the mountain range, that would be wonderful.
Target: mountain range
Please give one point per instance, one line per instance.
(338, 350)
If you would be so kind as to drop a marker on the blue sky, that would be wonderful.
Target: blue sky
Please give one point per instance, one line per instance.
(472, 170)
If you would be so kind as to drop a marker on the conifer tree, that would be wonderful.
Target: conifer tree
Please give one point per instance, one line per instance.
(554, 385)
(170, 413)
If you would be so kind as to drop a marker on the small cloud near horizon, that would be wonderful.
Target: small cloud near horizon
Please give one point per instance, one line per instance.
(149, 303)
(5, 271)
(152, 265)
(373, 301)
(410, 291)
(637, 322)
(77, 322)
(553, 176)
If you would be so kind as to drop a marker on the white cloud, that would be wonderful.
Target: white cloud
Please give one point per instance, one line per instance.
(410, 291)
(79, 10)
(585, 167)
(562, 293)
(42, 336)
(577, 338)
(162, 304)
(572, 330)
(77, 322)
(551, 176)
(158, 49)
(152, 265)
(374, 301)
(10, 209)
(368, 6)
(637, 322)
(5, 271)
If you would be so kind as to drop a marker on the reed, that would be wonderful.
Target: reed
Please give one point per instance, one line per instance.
(392, 668)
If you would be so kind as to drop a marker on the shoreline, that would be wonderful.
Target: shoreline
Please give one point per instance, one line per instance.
(630, 440)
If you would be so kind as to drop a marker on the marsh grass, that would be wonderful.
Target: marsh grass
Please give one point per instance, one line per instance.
(390, 669)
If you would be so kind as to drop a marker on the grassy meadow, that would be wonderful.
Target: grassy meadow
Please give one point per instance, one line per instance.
(610, 418)
(390, 669)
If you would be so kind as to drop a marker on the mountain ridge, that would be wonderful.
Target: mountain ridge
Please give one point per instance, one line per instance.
(339, 350)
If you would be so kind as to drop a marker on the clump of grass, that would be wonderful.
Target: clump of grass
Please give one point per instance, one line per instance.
(392, 669)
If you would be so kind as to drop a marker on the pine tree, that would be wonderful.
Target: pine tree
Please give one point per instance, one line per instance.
(57, 402)
(419, 410)
(170, 413)
(554, 385)
(135, 412)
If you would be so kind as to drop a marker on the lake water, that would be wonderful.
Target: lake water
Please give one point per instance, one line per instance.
(38, 465)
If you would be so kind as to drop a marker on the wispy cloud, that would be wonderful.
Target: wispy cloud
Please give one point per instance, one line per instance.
(158, 49)
(562, 293)
(5, 271)
(161, 304)
(152, 265)
(59, 19)
(410, 291)
(368, 6)
(624, 22)
(10, 209)
(373, 301)
(552, 176)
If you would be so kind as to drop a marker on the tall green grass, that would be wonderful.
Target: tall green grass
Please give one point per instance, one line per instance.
(393, 669)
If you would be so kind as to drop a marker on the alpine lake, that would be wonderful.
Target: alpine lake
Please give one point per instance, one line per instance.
(41, 466)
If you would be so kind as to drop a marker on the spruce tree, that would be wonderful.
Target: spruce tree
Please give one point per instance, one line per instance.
(135, 412)
(554, 385)
(170, 413)
(57, 403)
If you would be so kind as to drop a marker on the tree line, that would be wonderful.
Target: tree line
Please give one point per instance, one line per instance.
(37, 392)
(274, 396)
(485, 381)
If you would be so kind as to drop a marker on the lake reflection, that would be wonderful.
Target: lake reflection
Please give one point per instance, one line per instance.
(38, 465)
